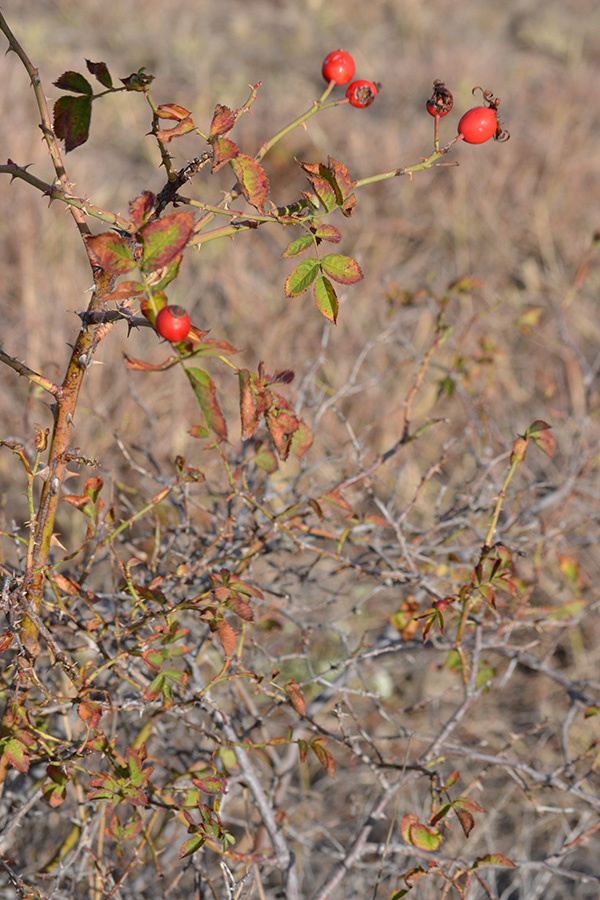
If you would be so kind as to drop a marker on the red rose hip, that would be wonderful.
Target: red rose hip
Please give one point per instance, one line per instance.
(478, 125)
(361, 93)
(173, 323)
(338, 66)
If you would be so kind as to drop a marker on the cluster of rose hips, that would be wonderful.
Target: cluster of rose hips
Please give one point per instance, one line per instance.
(338, 67)
(478, 124)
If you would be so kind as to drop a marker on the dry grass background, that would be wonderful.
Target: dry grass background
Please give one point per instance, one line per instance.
(518, 218)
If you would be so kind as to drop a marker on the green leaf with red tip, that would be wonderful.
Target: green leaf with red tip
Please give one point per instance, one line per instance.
(541, 434)
(191, 846)
(302, 277)
(165, 240)
(328, 233)
(298, 246)
(111, 252)
(326, 298)
(100, 71)
(17, 754)
(492, 859)
(142, 208)
(323, 755)
(224, 151)
(252, 180)
(342, 268)
(206, 395)
(73, 81)
(72, 116)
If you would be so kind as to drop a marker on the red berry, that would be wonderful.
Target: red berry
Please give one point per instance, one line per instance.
(173, 323)
(338, 66)
(441, 101)
(361, 93)
(478, 124)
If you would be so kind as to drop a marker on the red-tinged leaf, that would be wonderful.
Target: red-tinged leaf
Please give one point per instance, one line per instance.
(92, 487)
(468, 803)
(302, 439)
(165, 239)
(326, 298)
(240, 608)
(100, 71)
(141, 208)
(16, 754)
(328, 233)
(210, 346)
(466, 820)
(139, 365)
(90, 712)
(537, 426)
(224, 150)
(397, 895)
(73, 81)
(545, 440)
(302, 277)
(126, 290)
(155, 688)
(336, 498)
(252, 179)
(153, 658)
(222, 122)
(295, 695)
(282, 426)
(248, 409)
(211, 784)
(227, 636)
(111, 252)
(591, 711)
(298, 246)
(493, 859)
(325, 193)
(341, 176)
(72, 116)
(54, 791)
(425, 838)
(324, 756)
(342, 268)
(6, 639)
(406, 824)
(452, 779)
(191, 846)
(183, 127)
(135, 795)
(206, 395)
(172, 111)
(66, 585)
(488, 593)
(302, 749)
